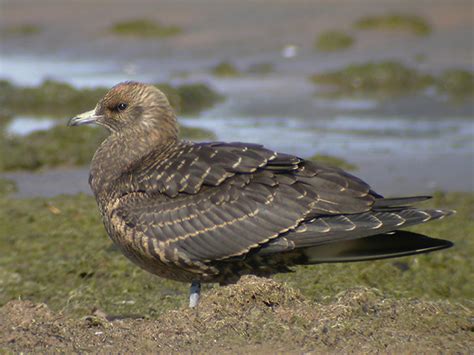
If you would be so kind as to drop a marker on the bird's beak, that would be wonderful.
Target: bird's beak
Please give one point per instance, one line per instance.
(84, 118)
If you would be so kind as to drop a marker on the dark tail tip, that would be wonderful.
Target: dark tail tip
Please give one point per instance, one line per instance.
(380, 246)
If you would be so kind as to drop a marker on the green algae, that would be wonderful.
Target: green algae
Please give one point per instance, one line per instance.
(58, 146)
(51, 97)
(63, 146)
(63, 257)
(196, 133)
(225, 69)
(387, 78)
(56, 251)
(332, 41)
(333, 161)
(7, 187)
(194, 98)
(60, 99)
(21, 30)
(395, 22)
(144, 28)
(457, 83)
(263, 68)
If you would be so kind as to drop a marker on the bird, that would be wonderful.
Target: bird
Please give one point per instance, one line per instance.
(211, 212)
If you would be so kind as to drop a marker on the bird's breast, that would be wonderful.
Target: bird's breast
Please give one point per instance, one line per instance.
(141, 249)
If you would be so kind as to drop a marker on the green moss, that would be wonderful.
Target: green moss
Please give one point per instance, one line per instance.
(5, 120)
(59, 146)
(194, 98)
(396, 22)
(333, 161)
(194, 133)
(21, 30)
(56, 251)
(144, 28)
(386, 78)
(51, 97)
(64, 146)
(331, 41)
(7, 187)
(225, 69)
(54, 98)
(389, 78)
(261, 68)
(457, 83)
(420, 57)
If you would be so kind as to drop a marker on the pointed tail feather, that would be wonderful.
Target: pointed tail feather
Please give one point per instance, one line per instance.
(398, 201)
(380, 246)
(332, 229)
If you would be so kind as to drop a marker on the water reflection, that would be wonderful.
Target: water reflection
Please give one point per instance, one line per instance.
(24, 125)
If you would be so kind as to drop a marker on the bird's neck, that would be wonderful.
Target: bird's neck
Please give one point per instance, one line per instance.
(120, 151)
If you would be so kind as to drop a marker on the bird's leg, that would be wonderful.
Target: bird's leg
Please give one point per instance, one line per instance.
(195, 292)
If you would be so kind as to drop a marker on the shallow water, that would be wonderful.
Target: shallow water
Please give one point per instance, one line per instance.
(345, 135)
(396, 156)
(24, 125)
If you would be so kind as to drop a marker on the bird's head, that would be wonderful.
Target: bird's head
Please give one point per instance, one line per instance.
(131, 106)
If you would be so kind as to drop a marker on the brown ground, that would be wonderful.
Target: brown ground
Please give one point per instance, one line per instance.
(248, 316)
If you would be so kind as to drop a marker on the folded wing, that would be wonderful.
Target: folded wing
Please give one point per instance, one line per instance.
(209, 202)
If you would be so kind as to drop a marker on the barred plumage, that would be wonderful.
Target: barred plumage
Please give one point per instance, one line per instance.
(211, 212)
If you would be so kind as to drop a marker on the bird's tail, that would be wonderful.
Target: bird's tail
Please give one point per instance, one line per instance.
(379, 246)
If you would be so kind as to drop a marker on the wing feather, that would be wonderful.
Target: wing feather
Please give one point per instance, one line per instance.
(213, 201)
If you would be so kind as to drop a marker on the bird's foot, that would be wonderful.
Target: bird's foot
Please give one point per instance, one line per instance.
(195, 293)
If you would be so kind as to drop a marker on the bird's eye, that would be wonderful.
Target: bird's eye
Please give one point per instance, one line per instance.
(121, 106)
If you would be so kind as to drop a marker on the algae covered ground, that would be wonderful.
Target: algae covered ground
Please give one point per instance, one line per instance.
(62, 146)
(144, 28)
(331, 41)
(395, 22)
(63, 285)
(388, 79)
(226, 69)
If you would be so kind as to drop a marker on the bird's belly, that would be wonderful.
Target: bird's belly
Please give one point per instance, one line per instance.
(136, 247)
